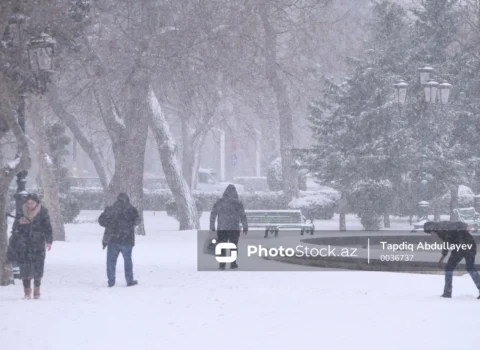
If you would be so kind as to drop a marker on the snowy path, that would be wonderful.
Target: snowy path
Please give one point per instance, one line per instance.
(176, 307)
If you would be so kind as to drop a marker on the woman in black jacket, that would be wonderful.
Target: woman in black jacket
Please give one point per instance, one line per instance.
(32, 236)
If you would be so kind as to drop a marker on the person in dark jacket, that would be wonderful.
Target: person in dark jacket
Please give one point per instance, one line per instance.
(462, 246)
(31, 238)
(119, 221)
(230, 213)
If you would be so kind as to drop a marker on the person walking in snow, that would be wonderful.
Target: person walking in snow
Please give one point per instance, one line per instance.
(230, 213)
(463, 246)
(119, 221)
(31, 238)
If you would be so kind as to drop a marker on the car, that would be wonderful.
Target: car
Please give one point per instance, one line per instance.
(208, 183)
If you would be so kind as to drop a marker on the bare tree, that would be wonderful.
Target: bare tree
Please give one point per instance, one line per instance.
(187, 211)
(88, 146)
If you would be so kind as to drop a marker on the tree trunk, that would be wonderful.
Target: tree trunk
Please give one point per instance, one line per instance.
(187, 211)
(453, 201)
(436, 209)
(477, 177)
(46, 167)
(128, 134)
(6, 11)
(130, 152)
(87, 146)
(128, 176)
(342, 209)
(5, 268)
(386, 220)
(190, 154)
(192, 144)
(6, 277)
(289, 172)
(21, 162)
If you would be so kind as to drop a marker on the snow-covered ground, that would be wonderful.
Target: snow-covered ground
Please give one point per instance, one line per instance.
(176, 307)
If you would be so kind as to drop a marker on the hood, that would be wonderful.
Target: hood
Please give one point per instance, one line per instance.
(123, 197)
(230, 192)
(442, 227)
(458, 226)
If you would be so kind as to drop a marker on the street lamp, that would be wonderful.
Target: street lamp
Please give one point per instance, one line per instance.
(430, 86)
(430, 90)
(425, 73)
(40, 53)
(401, 93)
(444, 91)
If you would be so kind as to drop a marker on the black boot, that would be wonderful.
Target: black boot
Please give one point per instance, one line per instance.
(447, 295)
(234, 265)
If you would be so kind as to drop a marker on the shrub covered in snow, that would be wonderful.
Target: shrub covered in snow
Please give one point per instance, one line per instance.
(314, 207)
(466, 198)
(89, 199)
(252, 183)
(157, 201)
(275, 177)
(70, 207)
(171, 207)
(370, 200)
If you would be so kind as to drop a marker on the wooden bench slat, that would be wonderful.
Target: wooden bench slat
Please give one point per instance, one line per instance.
(275, 219)
(468, 215)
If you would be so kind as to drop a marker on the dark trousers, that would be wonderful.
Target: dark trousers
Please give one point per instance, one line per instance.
(455, 258)
(113, 251)
(230, 236)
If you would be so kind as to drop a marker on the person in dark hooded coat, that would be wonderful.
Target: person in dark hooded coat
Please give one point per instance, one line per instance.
(230, 213)
(31, 237)
(119, 221)
(457, 235)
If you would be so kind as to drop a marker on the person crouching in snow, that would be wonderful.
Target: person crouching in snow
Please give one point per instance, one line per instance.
(463, 246)
(32, 235)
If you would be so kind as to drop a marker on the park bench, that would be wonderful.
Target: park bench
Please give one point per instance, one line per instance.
(469, 216)
(273, 220)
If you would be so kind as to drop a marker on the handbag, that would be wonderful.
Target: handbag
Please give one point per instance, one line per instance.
(13, 249)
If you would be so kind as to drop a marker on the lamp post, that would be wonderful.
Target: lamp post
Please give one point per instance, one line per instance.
(13, 42)
(21, 192)
(401, 91)
(40, 59)
(435, 93)
(41, 51)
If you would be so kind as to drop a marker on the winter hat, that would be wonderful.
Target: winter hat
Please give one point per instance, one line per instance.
(33, 197)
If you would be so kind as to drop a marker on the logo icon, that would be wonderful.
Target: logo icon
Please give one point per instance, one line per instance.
(227, 246)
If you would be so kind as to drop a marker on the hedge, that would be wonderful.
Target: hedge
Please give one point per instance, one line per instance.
(158, 200)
